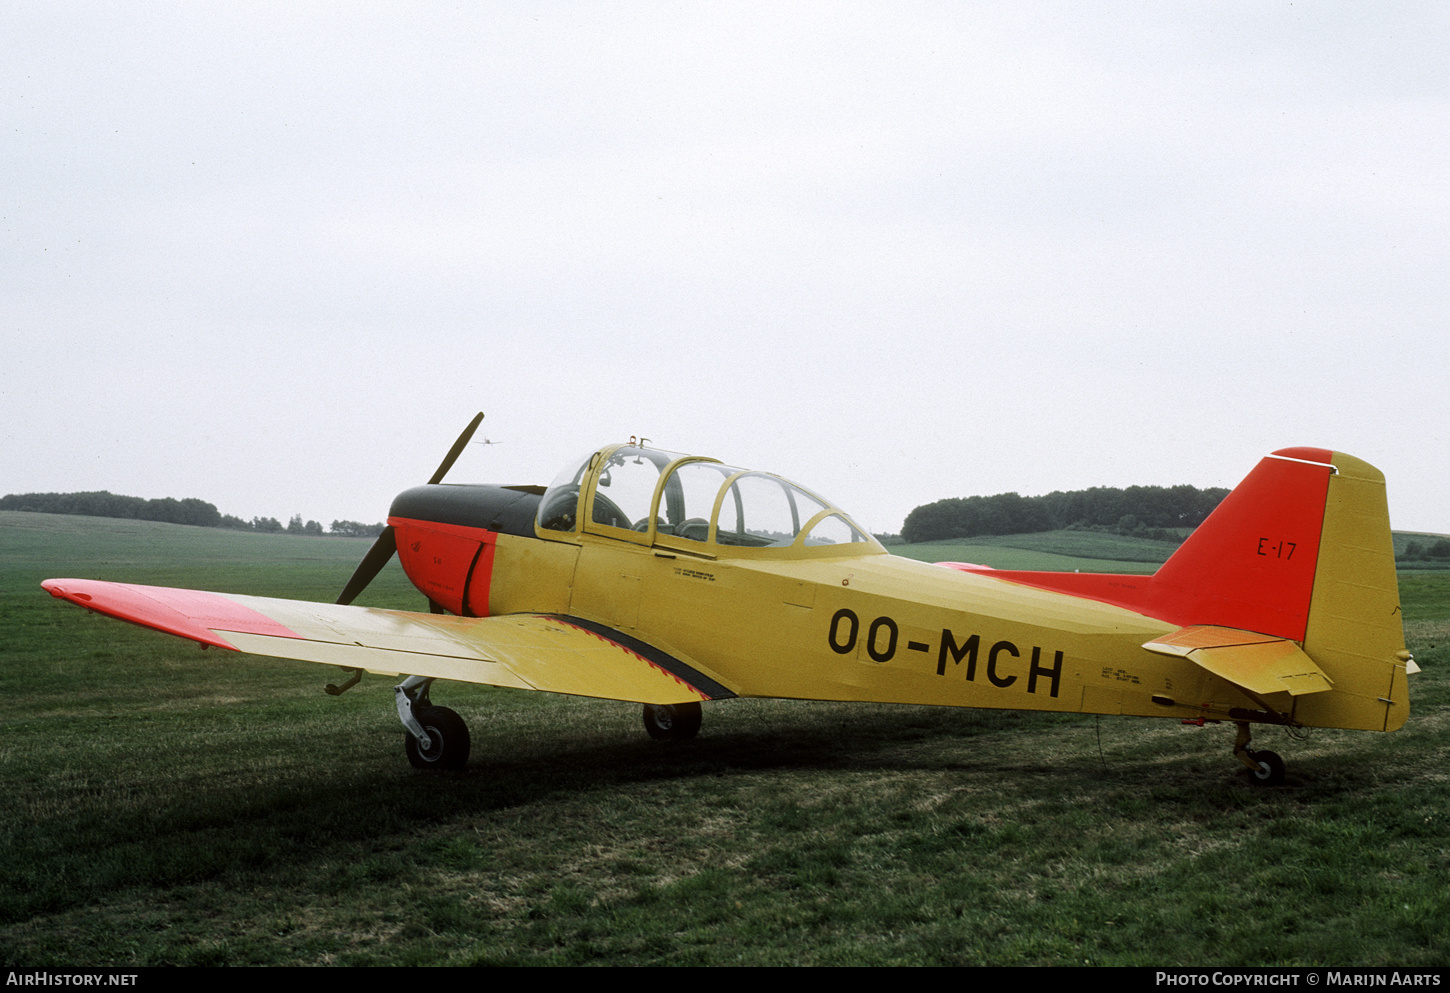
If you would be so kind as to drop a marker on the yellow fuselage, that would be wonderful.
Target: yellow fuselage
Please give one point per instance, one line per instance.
(829, 626)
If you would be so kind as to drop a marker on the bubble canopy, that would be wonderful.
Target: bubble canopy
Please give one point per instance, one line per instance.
(649, 496)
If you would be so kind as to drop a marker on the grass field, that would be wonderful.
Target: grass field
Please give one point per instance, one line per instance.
(165, 805)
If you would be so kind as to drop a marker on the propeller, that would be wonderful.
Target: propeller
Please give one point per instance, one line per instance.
(387, 544)
(457, 449)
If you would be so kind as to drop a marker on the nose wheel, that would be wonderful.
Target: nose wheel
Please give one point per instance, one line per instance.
(434, 737)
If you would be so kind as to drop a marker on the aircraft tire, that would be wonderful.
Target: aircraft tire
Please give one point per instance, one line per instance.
(1270, 770)
(672, 722)
(450, 740)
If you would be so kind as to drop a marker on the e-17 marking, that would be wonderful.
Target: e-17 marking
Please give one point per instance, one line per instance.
(883, 633)
(1277, 549)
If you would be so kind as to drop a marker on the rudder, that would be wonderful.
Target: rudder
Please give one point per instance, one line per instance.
(1356, 630)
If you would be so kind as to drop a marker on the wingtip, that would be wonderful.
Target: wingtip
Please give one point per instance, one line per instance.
(57, 589)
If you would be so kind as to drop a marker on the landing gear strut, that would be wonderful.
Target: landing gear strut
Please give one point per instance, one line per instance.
(1266, 768)
(436, 737)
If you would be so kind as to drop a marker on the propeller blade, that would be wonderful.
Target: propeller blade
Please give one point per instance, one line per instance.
(457, 449)
(370, 566)
(387, 544)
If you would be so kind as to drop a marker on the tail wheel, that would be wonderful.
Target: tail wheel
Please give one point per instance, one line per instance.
(448, 740)
(1270, 768)
(672, 721)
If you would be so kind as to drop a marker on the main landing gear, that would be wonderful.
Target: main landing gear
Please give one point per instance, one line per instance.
(672, 722)
(1265, 768)
(436, 738)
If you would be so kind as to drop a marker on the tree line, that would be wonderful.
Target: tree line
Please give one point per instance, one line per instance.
(1429, 551)
(166, 510)
(105, 504)
(1144, 511)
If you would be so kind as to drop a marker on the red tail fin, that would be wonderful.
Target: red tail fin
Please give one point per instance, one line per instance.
(1251, 564)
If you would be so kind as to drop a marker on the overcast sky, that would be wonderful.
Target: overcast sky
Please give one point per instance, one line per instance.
(275, 256)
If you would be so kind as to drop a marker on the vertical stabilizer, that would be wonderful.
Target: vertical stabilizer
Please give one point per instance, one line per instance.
(1356, 631)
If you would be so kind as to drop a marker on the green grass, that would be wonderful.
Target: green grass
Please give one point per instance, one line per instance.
(165, 805)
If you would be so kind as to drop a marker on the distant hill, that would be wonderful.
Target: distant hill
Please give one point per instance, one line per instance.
(1051, 551)
(1143, 511)
(197, 513)
(1421, 550)
(106, 504)
(1100, 551)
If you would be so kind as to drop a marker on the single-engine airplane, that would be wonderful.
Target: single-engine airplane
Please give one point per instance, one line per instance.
(667, 580)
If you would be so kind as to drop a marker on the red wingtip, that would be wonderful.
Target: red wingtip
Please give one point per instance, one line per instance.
(192, 614)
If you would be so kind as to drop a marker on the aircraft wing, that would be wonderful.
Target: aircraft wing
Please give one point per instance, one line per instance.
(1258, 663)
(525, 651)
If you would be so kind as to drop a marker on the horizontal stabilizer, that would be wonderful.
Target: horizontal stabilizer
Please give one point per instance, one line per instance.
(524, 651)
(1258, 663)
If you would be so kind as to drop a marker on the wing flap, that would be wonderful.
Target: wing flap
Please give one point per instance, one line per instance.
(523, 651)
(1258, 663)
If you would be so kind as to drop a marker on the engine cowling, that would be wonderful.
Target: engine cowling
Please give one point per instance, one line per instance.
(446, 536)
